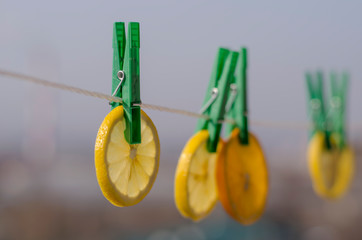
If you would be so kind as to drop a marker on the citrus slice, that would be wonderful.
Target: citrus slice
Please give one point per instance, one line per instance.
(242, 179)
(331, 170)
(195, 186)
(126, 172)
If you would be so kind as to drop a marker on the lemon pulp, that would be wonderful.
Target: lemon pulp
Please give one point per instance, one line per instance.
(126, 172)
(195, 186)
(331, 170)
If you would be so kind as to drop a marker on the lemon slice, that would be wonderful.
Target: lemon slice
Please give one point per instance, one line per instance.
(195, 186)
(242, 179)
(331, 170)
(126, 172)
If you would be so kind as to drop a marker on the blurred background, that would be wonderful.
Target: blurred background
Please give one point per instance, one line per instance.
(48, 186)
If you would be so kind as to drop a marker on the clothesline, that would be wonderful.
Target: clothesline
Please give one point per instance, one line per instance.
(109, 98)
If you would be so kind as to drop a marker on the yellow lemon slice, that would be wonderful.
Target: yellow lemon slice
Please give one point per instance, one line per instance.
(195, 186)
(331, 170)
(242, 179)
(126, 172)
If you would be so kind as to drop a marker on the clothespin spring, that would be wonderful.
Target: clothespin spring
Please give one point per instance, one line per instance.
(120, 75)
(231, 100)
(214, 94)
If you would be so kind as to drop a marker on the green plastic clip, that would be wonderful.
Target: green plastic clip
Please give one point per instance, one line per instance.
(126, 77)
(328, 119)
(338, 106)
(237, 107)
(216, 96)
(316, 106)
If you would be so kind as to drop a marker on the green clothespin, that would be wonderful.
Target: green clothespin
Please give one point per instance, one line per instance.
(338, 105)
(216, 95)
(316, 106)
(126, 77)
(237, 107)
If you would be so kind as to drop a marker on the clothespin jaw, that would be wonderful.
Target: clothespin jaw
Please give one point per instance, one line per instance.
(239, 104)
(316, 106)
(338, 105)
(222, 74)
(126, 77)
(119, 47)
(212, 91)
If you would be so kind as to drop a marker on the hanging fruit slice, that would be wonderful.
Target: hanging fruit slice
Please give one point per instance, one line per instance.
(195, 186)
(242, 179)
(126, 172)
(332, 169)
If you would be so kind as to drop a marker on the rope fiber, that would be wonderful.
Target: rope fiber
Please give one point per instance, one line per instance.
(110, 98)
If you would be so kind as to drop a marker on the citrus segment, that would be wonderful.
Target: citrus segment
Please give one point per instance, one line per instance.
(331, 170)
(126, 172)
(242, 179)
(195, 186)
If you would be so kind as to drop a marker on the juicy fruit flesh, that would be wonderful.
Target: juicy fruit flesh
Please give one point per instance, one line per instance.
(242, 179)
(125, 172)
(201, 181)
(331, 170)
(329, 160)
(195, 189)
(130, 166)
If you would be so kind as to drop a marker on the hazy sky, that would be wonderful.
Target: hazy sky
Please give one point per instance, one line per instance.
(71, 42)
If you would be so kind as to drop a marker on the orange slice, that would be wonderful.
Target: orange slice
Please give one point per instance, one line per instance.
(242, 179)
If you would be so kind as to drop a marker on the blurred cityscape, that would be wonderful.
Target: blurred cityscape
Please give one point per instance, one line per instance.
(59, 198)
